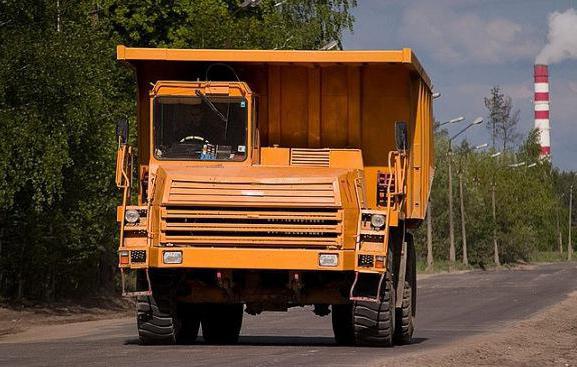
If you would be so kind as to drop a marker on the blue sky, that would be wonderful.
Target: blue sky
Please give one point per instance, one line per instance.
(468, 46)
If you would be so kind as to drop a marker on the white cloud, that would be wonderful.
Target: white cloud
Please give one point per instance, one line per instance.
(453, 35)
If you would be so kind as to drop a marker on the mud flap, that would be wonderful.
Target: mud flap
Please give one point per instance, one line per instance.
(402, 275)
(367, 287)
(135, 293)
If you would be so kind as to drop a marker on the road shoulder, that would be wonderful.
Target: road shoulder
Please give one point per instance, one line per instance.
(549, 338)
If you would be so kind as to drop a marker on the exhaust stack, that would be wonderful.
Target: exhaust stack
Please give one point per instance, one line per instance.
(542, 108)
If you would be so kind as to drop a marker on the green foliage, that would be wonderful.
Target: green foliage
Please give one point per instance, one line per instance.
(62, 92)
(292, 24)
(58, 103)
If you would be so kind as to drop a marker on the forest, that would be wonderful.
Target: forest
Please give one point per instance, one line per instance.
(62, 92)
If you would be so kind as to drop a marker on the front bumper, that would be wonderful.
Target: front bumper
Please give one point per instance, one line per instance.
(247, 258)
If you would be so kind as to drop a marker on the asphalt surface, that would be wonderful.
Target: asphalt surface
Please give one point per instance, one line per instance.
(450, 307)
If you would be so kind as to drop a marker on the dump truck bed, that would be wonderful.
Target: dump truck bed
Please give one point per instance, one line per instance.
(314, 99)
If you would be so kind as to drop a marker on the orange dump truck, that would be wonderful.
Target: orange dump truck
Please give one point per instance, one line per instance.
(273, 179)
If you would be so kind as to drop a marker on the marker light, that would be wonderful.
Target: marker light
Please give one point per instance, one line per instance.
(123, 257)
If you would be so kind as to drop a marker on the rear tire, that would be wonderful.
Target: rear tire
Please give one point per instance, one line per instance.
(221, 323)
(374, 322)
(342, 317)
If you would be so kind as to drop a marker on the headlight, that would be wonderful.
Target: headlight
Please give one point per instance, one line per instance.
(131, 216)
(172, 257)
(328, 260)
(378, 221)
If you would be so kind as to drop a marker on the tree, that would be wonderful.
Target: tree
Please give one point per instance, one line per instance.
(270, 24)
(502, 121)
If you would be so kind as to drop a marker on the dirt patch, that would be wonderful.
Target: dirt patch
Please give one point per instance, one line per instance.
(547, 339)
(17, 318)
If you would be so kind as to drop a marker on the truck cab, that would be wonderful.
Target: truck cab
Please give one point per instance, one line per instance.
(279, 179)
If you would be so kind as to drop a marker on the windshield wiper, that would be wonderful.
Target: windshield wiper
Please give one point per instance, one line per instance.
(211, 105)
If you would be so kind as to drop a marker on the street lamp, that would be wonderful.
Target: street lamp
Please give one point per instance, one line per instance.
(494, 206)
(569, 245)
(515, 165)
(330, 46)
(462, 202)
(436, 95)
(477, 121)
(452, 121)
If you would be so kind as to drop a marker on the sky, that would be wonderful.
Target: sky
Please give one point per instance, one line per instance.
(469, 46)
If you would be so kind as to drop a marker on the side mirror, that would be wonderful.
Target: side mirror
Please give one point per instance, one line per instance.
(401, 136)
(122, 131)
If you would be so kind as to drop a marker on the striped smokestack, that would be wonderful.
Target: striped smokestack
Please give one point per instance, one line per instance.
(542, 108)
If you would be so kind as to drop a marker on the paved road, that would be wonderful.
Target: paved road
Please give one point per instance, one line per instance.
(450, 307)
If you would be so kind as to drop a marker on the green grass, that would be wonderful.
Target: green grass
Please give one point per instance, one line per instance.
(443, 265)
(548, 257)
(440, 266)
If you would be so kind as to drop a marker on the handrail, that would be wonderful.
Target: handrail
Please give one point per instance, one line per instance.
(124, 154)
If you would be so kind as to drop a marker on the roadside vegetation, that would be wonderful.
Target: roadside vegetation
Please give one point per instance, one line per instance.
(531, 197)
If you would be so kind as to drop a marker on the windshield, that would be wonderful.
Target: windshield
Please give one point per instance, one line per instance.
(200, 128)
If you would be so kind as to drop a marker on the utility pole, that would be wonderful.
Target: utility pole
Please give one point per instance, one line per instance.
(569, 245)
(477, 121)
(451, 230)
(463, 229)
(559, 232)
(429, 238)
(495, 244)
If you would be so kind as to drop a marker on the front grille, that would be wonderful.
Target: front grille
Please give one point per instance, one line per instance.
(252, 227)
(302, 192)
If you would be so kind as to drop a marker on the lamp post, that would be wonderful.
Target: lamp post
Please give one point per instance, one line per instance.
(569, 245)
(494, 207)
(477, 121)
(559, 227)
(462, 200)
(494, 210)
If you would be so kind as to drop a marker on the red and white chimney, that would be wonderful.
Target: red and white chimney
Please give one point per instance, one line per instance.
(542, 108)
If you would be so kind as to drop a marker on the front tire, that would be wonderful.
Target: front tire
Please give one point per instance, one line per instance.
(165, 326)
(374, 322)
(155, 326)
